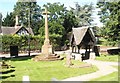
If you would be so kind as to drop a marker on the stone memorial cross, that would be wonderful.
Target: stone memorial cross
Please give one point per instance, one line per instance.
(46, 48)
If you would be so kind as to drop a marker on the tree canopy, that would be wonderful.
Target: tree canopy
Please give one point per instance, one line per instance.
(83, 14)
(60, 21)
(9, 20)
(110, 17)
(29, 11)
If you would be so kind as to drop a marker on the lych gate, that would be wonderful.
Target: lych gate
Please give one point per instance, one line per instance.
(82, 37)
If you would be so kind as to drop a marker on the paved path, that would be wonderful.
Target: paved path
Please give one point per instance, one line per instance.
(105, 68)
(22, 54)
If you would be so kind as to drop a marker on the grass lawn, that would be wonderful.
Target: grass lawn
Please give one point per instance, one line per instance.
(42, 70)
(111, 77)
(113, 58)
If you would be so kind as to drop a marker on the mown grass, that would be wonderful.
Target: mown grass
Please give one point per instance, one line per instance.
(113, 58)
(43, 70)
(115, 76)
(111, 77)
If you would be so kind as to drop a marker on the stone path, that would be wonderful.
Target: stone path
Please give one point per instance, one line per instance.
(22, 54)
(105, 68)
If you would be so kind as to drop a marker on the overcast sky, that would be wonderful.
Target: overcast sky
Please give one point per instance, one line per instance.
(8, 5)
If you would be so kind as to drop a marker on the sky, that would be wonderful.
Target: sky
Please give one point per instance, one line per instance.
(6, 6)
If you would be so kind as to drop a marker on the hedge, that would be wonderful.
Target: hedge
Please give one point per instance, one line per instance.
(36, 42)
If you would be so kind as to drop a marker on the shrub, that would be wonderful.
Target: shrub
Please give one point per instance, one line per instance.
(36, 42)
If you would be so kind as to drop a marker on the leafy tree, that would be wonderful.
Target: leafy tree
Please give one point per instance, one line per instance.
(110, 17)
(9, 20)
(55, 19)
(57, 12)
(83, 14)
(29, 11)
(60, 20)
(69, 21)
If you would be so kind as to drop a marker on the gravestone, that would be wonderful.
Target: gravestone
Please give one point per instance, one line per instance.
(14, 51)
(68, 59)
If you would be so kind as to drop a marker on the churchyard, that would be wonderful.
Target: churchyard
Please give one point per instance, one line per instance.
(42, 70)
(48, 70)
(56, 45)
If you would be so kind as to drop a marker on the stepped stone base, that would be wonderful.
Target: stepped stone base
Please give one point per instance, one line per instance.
(4, 65)
(51, 57)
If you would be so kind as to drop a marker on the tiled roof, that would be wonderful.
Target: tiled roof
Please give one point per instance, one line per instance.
(7, 30)
(13, 30)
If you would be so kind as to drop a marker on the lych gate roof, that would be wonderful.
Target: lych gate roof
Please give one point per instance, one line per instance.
(80, 32)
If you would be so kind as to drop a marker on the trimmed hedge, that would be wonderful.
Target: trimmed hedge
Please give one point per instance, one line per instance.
(36, 42)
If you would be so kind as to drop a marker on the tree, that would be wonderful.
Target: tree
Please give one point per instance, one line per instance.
(83, 14)
(70, 21)
(55, 19)
(9, 20)
(29, 11)
(110, 17)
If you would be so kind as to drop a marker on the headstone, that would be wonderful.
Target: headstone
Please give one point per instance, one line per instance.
(14, 51)
(26, 79)
(78, 57)
(92, 56)
(68, 59)
(96, 49)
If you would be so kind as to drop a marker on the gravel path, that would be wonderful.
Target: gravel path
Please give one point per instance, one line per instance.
(105, 68)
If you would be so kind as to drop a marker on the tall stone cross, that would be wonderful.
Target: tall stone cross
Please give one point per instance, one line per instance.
(46, 26)
(46, 48)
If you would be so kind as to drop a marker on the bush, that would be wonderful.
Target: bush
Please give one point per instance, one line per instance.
(36, 42)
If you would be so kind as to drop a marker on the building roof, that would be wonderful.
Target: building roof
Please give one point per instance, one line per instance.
(13, 30)
(80, 32)
(29, 30)
(7, 30)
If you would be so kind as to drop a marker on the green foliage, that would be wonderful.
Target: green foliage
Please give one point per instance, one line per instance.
(56, 28)
(108, 58)
(83, 14)
(9, 20)
(21, 42)
(70, 21)
(60, 21)
(56, 41)
(57, 12)
(36, 42)
(29, 11)
(110, 77)
(110, 16)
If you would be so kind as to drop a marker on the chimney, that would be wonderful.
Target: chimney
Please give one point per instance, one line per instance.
(16, 21)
